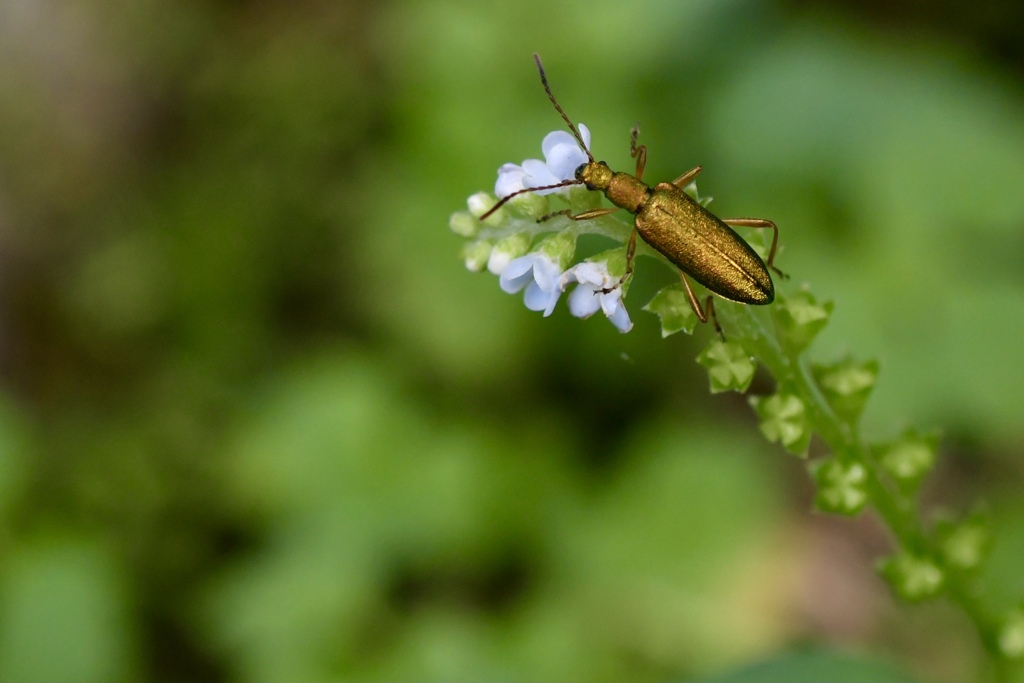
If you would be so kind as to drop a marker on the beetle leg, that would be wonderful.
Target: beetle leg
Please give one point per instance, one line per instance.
(637, 152)
(630, 253)
(685, 179)
(586, 215)
(702, 313)
(760, 223)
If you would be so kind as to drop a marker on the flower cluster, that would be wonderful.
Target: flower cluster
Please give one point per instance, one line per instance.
(543, 275)
(541, 267)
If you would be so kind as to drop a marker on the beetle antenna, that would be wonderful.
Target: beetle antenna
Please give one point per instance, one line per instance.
(565, 183)
(572, 127)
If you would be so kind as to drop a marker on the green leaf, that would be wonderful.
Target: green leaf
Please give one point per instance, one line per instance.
(914, 578)
(847, 385)
(691, 190)
(799, 319)
(784, 419)
(673, 307)
(730, 367)
(842, 486)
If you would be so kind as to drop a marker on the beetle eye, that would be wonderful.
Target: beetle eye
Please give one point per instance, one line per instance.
(579, 171)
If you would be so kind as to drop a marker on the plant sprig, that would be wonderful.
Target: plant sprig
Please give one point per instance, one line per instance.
(826, 400)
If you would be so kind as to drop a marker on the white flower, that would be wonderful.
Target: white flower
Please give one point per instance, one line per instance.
(539, 274)
(593, 277)
(562, 156)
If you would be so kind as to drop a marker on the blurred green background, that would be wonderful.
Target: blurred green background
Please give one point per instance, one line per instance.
(257, 422)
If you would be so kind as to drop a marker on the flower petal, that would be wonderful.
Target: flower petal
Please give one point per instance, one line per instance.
(585, 134)
(564, 159)
(556, 138)
(611, 301)
(562, 156)
(621, 319)
(587, 273)
(498, 261)
(538, 174)
(517, 274)
(536, 299)
(510, 180)
(547, 273)
(582, 302)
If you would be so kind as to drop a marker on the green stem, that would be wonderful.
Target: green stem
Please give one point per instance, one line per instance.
(897, 511)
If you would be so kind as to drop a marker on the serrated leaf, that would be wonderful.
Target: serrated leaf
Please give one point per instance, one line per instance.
(847, 384)
(842, 486)
(730, 367)
(673, 307)
(784, 419)
(913, 578)
(908, 459)
(965, 544)
(799, 319)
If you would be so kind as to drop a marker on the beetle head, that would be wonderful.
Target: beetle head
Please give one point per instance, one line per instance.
(594, 175)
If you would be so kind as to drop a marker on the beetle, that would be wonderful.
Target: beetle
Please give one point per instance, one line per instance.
(700, 244)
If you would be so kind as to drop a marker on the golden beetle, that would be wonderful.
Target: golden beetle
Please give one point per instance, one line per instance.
(699, 243)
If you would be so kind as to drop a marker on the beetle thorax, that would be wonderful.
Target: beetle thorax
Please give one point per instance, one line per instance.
(626, 192)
